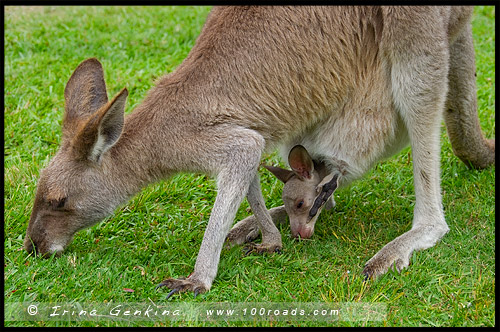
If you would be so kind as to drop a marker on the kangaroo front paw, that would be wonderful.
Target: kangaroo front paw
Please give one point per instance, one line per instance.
(382, 262)
(244, 231)
(261, 248)
(182, 285)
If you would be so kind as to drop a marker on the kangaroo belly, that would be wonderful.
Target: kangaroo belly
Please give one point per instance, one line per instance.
(352, 139)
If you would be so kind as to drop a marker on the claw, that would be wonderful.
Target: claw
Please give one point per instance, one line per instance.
(172, 292)
(368, 274)
(248, 249)
(160, 285)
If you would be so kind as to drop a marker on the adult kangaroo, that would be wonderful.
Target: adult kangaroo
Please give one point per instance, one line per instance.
(369, 78)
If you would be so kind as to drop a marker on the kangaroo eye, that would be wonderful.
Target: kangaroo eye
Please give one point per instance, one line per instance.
(299, 204)
(58, 203)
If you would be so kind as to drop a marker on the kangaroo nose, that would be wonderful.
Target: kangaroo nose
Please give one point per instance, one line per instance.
(34, 249)
(29, 246)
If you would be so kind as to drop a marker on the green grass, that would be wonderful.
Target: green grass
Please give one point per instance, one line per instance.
(157, 234)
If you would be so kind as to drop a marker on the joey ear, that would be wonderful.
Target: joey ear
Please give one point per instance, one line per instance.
(85, 94)
(300, 162)
(102, 130)
(282, 174)
(328, 185)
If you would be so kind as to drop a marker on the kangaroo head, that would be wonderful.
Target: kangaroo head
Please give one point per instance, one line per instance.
(74, 191)
(306, 190)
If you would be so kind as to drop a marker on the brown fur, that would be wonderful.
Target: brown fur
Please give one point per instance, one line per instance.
(258, 78)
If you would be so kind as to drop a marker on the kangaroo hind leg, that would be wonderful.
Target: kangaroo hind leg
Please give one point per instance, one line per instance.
(461, 116)
(419, 87)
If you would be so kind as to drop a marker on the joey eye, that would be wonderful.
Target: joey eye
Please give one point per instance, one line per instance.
(300, 204)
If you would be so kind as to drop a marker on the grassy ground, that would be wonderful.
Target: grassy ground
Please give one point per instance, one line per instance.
(158, 233)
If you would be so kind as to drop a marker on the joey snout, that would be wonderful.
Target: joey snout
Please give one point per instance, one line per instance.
(302, 227)
(302, 231)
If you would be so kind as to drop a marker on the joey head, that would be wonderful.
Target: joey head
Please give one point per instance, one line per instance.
(307, 189)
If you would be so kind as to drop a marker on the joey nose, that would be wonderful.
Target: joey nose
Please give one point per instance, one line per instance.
(303, 232)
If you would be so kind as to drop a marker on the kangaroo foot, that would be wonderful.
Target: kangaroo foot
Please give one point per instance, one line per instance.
(388, 257)
(377, 267)
(182, 285)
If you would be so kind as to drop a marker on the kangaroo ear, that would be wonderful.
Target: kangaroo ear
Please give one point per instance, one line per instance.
(85, 94)
(282, 174)
(102, 130)
(300, 162)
